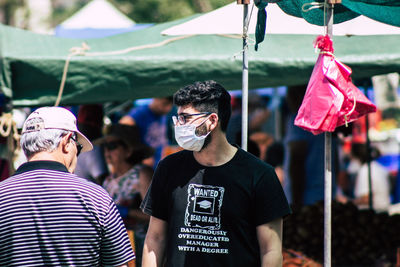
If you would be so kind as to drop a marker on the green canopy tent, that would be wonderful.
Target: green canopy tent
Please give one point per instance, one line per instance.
(32, 64)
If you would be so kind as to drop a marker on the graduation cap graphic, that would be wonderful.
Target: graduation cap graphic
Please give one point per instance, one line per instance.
(204, 204)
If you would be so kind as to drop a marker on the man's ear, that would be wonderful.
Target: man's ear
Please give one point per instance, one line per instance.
(66, 143)
(214, 119)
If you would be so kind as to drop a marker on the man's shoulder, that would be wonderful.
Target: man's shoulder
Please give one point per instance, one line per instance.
(247, 157)
(177, 157)
(59, 179)
(87, 187)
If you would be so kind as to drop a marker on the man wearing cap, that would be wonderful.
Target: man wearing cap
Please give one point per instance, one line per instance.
(51, 217)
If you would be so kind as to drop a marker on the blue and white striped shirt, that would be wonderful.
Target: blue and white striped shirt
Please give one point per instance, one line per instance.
(50, 217)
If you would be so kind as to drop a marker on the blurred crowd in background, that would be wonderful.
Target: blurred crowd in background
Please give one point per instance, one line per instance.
(130, 138)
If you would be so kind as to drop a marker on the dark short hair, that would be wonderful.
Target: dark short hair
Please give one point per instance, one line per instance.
(207, 96)
(361, 151)
(168, 98)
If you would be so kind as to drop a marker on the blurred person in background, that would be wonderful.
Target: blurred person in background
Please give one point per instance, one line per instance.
(91, 165)
(275, 155)
(304, 166)
(129, 177)
(252, 146)
(258, 114)
(152, 122)
(380, 180)
(124, 153)
(142, 219)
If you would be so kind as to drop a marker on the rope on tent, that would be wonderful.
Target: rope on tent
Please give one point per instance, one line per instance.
(74, 51)
(313, 5)
(8, 125)
(250, 41)
(8, 129)
(81, 51)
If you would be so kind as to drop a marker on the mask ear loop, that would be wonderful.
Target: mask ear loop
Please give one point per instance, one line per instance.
(349, 113)
(202, 124)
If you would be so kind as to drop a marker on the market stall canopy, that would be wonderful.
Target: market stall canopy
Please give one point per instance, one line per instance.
(32, 64)
(225, 20)
(98, 18)
(386, 11)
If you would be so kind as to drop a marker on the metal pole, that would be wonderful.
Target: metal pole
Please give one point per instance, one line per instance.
(245, 79)
(278, 119)
(369, 159)
(369, 156)
(328, 199)
(328, 166)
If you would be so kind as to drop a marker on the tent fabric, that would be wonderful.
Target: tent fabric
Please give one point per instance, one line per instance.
(386, 11)
(304, 9)
(98, 18)
(89, 33)
(32, 64)
(225, 20)
(261, 22)
(98, 14)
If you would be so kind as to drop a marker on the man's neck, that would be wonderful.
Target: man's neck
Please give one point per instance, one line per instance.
(48, 156)
(217, 153)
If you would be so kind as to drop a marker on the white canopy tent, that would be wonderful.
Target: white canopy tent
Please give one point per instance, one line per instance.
(98, 14)
(99, 18)
(225, 20)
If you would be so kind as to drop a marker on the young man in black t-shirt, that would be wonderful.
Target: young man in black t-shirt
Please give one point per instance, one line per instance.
(212, 204)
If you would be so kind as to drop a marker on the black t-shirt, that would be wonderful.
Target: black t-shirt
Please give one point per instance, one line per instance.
(212, 212)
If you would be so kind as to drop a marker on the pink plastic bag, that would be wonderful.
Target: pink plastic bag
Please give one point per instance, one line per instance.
(331, 99)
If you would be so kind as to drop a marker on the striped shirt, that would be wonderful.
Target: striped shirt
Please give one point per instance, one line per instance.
(50, 217)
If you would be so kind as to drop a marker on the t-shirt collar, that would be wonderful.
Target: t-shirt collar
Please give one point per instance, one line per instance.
(41, 164)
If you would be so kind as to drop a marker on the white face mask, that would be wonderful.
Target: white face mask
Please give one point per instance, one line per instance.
(186, 137)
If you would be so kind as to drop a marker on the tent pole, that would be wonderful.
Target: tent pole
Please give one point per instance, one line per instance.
(369, 159)
(328, 199)
(245, 79)
(278, 118)
(369, 156)
(328, 162)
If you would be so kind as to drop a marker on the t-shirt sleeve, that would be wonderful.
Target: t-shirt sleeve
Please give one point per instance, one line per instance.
(270, 200)
(156, 202)
(116, 248)
(138, 113)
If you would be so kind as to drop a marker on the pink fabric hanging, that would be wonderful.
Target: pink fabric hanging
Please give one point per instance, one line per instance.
(331, 99)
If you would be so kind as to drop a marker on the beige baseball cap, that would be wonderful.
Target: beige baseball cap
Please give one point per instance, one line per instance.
(55, 118)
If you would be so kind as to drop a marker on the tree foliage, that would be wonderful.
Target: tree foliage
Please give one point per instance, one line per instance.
(165, 10)
(141, 11)
(8, 8)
